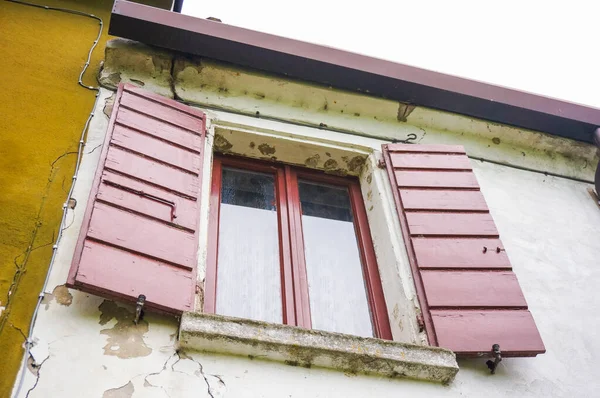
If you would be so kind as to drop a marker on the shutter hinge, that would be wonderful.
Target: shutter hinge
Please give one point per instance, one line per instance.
(381, 163)
(420, 322)
(139, 308)
(492, 365)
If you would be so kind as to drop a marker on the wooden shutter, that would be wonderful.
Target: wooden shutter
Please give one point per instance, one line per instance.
(469, 295)
(140, 229)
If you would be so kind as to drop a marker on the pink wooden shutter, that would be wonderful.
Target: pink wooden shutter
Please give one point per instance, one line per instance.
(140, 229)
(469, 295)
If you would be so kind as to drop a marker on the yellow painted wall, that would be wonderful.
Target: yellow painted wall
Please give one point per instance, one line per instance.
(42, 112)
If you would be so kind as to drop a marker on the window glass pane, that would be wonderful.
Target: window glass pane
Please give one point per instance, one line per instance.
(338, 297)
(248, 270)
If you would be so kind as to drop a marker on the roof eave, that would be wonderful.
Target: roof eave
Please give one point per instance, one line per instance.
(350, 71)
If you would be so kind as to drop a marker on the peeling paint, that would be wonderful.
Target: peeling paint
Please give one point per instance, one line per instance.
(125, 391)
(108, 107)
(60, 294)
(125, 338)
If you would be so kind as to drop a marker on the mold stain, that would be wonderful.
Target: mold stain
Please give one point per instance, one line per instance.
(312, 161)
(496, 140)
(356, 163)
(252, 145)
(266, 149)
(330, 164)
(369, 178)
(125, 338)
(221, 143)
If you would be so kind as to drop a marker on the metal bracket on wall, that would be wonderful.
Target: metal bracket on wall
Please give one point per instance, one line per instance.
(139, 308)
(492, 365)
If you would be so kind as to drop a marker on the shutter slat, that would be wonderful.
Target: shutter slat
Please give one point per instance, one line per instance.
(165, 101)
(140, 228)
(124, 195)
(451, 224)
(430, 161)
(158, 129)
(434, 179)
(442, 200)
(153, 148)
(161, 112)
(460, 253)
(470, 298)
(470, 289)
(153, 172)
(471, 332)
(126, 275)
(142, 235)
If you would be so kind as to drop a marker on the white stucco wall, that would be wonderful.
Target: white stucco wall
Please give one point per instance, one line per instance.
(550, 228)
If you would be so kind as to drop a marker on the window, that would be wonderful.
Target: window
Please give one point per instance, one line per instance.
(290, 245)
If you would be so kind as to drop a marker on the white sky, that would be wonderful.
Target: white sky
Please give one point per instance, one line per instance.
(545, 47)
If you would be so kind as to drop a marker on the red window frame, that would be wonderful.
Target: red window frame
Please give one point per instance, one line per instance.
(295, 295)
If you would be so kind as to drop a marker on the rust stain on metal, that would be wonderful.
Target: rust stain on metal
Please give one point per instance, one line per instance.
(125, 338)
(266, 149)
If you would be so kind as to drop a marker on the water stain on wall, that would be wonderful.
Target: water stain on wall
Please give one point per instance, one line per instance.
(125, 338)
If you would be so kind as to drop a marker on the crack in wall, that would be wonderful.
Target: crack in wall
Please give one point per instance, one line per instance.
(21, 268)
(37, 374)
(180, 376)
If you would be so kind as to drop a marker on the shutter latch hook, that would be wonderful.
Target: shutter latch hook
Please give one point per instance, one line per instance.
(139, 308)
(492, 365)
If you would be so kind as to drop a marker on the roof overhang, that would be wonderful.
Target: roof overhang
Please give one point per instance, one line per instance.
(350, 71)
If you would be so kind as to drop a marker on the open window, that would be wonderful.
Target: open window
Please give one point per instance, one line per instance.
(290, 245)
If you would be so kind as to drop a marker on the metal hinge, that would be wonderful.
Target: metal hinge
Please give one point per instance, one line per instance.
(492, 365)
(381, 163)
(139, 308)
(420, 322)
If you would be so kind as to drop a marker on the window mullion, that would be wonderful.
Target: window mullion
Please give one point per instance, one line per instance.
(287, 275)
(210, 285)
(298, 264)
(370, 270)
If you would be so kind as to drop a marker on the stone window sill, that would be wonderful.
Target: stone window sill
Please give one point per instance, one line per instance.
(307, 348)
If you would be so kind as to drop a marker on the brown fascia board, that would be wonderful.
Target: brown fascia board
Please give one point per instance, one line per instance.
(345, 70)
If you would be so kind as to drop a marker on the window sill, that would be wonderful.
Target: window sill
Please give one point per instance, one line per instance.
(307, 348)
